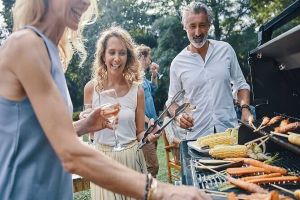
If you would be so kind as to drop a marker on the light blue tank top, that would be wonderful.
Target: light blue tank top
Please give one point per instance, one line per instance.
(29, 167)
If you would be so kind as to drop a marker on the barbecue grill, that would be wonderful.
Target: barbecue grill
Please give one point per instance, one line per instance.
(275, 88)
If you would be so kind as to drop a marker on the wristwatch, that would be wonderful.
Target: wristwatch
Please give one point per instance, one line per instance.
(245, 106)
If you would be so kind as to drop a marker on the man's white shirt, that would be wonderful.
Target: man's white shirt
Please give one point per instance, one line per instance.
(209, 85)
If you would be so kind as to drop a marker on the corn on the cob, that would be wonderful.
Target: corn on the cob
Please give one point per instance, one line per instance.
(227, 151)
(216, 140)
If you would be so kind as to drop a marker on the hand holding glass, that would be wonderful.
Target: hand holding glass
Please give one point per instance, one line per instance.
(111, 108)
(190, 108)
(154, 67)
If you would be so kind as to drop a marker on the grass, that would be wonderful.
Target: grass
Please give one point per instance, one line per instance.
(162, 173)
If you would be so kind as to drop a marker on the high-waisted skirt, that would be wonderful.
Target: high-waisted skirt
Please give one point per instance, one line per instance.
(129, 157)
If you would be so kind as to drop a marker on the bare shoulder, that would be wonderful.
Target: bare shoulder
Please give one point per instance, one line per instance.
(24, 45)
(140, 92)
(88, 92)
(89, 87)
(20, 56)
(22, 41)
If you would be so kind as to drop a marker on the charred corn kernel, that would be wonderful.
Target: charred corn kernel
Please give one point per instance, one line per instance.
(216, 140)
(228, 151)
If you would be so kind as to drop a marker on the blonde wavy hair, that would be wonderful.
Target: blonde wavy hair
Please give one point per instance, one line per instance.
(132, 71)
(31, 12)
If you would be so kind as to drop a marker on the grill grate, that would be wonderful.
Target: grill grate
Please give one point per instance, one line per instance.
(212, 181)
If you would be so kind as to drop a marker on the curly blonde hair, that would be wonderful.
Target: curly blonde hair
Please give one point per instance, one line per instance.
(132, 71)
(32, 12)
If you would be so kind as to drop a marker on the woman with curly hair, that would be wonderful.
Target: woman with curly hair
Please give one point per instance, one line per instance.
(116, 67)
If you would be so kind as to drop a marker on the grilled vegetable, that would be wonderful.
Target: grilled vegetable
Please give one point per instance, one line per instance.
(274, 120)
(275, 179)
(232, 196)
(294, 139)
(249, 178)
(284, 122)
(250, 187)
(228, 151)
(256, 163)
(273, 195)
(264, 122)
(297, 194)
(244, 170)
(216, 140)
(288, 127)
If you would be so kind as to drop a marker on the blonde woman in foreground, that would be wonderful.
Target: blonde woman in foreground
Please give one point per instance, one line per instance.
(39, 145)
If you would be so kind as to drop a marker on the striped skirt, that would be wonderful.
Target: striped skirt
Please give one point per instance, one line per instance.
(129, 157)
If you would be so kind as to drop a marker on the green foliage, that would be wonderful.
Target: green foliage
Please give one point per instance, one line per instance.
(264, 10)
(7, 14)
(83, 195)
(76, 115)
(171, 39)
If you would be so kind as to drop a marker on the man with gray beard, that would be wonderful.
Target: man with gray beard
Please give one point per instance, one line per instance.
(209, 72)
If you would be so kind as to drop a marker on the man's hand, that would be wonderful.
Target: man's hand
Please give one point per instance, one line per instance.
(245, 115)
(185, 121)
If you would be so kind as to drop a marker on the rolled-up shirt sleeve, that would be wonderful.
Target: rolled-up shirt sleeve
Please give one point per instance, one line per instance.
(237, 78)
(175, 83)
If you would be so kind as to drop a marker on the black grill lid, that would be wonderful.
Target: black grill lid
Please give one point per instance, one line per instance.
(275, 69)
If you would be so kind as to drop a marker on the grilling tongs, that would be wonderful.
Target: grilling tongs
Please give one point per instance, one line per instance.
(179, 110)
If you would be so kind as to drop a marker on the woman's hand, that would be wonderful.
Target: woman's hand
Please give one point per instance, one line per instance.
(85, 113)
(92, 120)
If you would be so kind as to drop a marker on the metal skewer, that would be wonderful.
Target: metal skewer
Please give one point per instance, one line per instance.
(280, 134)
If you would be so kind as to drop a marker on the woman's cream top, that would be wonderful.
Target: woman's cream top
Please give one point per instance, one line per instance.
(126, 128)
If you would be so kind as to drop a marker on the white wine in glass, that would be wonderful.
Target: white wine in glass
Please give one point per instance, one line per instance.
(111, 108)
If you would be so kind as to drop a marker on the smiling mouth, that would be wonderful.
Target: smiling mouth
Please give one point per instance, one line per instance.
(115, 66)
(77, 14)
(198, 40)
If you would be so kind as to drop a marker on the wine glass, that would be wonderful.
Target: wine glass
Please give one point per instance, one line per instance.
(87, 109)
(111, 107)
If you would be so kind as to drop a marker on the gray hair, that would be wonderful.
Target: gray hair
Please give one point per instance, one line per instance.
(196, 8)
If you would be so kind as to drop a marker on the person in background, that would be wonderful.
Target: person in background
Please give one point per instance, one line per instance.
(150, 87)
(205, 69)
(39, 147)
